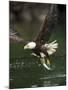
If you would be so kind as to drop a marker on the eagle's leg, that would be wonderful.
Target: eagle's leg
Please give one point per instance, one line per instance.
(48, 62)
(44, 64)
(35, 55)
(47, 66)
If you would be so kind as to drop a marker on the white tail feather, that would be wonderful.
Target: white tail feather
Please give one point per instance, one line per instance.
(51, 47)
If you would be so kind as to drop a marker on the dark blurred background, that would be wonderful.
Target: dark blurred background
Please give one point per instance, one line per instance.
(26, 19)
(27, 15)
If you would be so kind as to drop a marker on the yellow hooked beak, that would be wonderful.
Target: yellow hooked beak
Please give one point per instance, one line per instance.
(26, 47)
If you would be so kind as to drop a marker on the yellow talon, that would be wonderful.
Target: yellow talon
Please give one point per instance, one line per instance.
(48, 62)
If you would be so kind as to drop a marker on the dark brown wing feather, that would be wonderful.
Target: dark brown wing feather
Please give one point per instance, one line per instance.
(48, 25)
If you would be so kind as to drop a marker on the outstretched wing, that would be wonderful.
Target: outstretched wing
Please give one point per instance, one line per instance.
(14, 36)
(48, 25)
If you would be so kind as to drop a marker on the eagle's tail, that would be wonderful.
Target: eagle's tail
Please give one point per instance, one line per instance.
(51, 47)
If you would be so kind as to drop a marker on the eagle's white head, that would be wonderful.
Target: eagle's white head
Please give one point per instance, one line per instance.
(30, 45)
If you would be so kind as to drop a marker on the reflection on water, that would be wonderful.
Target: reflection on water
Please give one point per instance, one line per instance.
(27, 73)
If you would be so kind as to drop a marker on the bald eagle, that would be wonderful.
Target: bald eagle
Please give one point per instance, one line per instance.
(39, 45)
